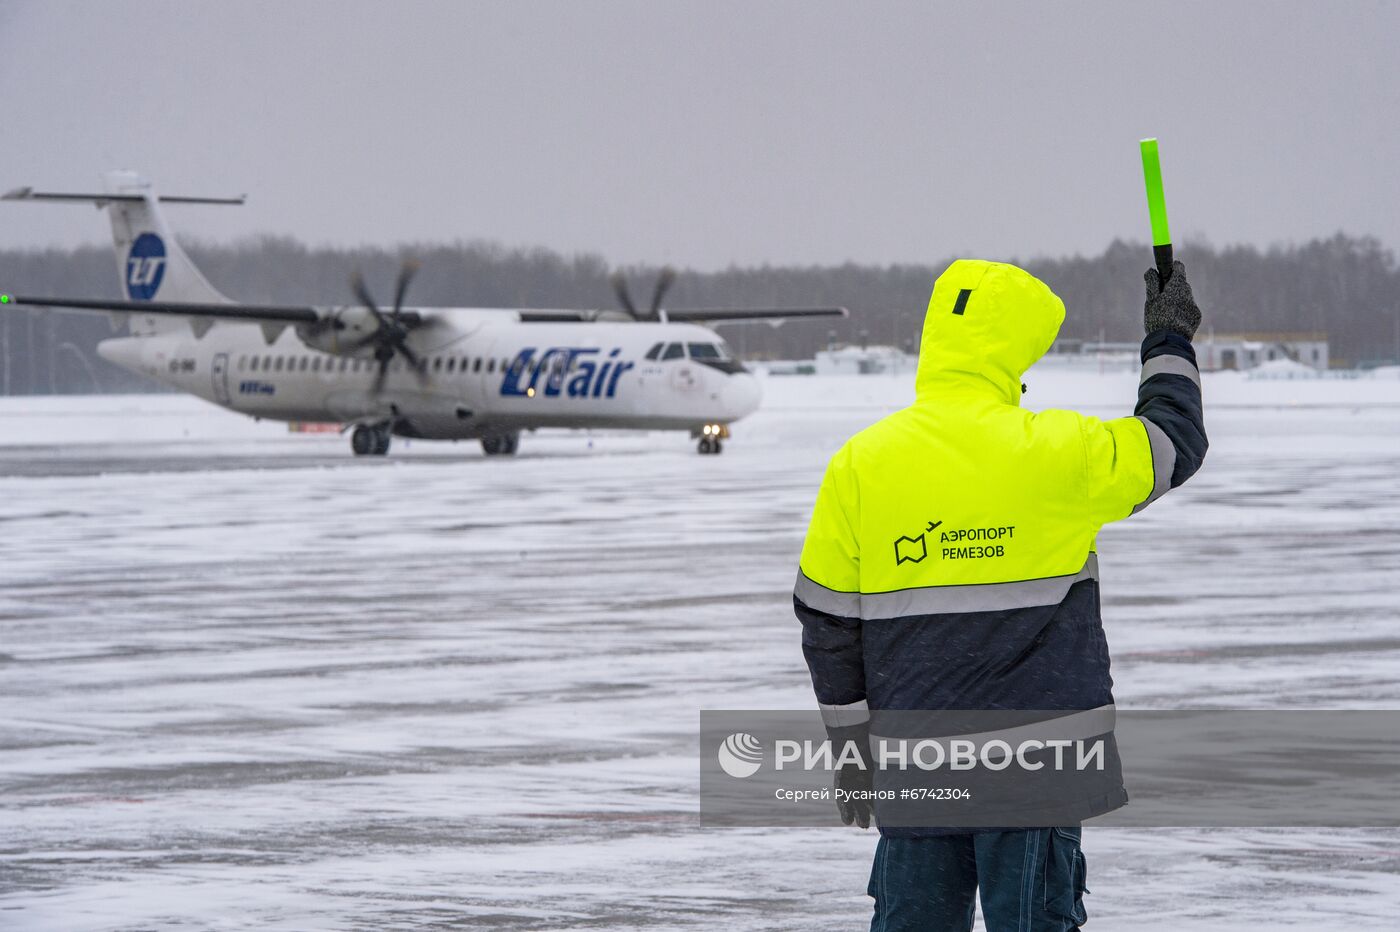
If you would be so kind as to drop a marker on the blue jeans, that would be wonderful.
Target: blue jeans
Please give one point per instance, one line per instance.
(1030, 881)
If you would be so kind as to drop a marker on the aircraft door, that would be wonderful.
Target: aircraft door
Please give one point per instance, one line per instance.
(219, 372)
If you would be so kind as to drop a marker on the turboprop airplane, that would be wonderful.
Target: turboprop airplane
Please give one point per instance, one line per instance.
(433, 373)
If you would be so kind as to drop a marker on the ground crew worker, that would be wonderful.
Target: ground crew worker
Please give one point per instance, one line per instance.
(950, 564)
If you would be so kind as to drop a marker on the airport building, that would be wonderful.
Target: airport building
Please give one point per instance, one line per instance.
(1227, 351)
(864, 360)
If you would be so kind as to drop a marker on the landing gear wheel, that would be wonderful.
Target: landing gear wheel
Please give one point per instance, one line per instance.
(370, 441)
(719, 448)
(500, 444)
(707, 446)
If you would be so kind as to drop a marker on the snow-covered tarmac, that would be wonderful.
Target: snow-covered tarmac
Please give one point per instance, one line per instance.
(248, 681)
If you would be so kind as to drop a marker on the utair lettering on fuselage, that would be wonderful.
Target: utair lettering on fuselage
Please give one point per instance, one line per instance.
(574, 372)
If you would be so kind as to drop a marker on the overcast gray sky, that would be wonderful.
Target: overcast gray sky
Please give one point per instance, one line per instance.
(708, 133)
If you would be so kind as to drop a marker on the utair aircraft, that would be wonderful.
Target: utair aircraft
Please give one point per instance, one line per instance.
(433, 373)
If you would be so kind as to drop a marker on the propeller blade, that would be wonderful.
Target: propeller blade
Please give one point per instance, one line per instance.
(624, 297)
(664, 281)
(357, 285)
(379, 378)
(419, 369)
(406, 272)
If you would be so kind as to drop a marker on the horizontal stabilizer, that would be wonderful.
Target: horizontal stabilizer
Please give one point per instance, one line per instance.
(29, 194)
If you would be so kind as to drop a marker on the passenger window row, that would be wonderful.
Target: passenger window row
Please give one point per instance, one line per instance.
(339, 364)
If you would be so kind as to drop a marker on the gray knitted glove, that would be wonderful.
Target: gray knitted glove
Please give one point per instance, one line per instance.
(1174, 309)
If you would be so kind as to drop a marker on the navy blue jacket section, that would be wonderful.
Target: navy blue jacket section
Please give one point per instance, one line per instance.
(1173, 403)
(1050, 657)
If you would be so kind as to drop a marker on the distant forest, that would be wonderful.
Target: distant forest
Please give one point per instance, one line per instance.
(1347, 286)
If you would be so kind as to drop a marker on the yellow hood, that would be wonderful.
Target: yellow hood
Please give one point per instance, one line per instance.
(987, 339)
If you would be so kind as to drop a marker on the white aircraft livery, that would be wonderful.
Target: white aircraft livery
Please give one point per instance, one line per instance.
(433, 373)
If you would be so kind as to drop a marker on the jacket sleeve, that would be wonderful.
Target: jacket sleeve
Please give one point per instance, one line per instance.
(1134, 461)
(827, 599)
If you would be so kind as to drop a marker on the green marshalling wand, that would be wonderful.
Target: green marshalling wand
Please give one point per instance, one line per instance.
(1157, 209)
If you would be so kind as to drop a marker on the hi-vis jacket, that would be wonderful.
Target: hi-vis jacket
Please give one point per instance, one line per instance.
(950, 560)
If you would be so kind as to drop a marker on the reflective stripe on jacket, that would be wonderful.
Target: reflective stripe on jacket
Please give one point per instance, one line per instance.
(950, 561)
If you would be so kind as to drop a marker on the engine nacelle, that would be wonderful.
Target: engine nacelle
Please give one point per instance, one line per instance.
(343, 332)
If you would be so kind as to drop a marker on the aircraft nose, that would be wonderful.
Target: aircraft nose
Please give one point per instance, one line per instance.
(742, 395)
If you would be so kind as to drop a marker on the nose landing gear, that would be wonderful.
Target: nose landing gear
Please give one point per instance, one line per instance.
(711, 436)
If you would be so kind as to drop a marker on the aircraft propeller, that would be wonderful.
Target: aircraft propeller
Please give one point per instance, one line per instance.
(664, 281)
(391, 334)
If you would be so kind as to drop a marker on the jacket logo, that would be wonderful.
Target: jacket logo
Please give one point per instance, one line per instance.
(910, 550)
(913, 549)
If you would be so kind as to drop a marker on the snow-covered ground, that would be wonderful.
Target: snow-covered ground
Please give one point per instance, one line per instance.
(248, 681)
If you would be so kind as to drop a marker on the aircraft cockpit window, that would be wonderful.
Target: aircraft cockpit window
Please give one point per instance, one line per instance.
(655, 351)
(674, 351)
(703, 351)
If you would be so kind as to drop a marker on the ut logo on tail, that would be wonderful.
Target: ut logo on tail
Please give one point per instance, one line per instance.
(145, 266)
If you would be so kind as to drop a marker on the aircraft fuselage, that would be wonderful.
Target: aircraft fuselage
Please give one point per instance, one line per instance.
(487, 372)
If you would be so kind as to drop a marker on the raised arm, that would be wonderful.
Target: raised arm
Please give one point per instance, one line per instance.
(1134, 461)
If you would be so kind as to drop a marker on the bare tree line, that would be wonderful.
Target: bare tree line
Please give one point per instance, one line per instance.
(1344, 285)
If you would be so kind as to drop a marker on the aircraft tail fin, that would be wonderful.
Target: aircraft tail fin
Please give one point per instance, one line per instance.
(149, 260)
